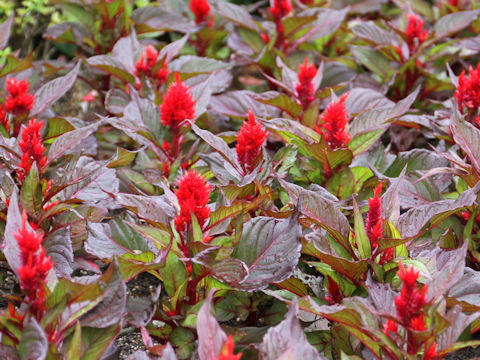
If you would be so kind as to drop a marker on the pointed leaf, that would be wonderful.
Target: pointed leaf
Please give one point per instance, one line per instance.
(14, 223)
(95, 341)
(211, 337)
(58, 246)
(49, 93)
(112, 66)
(270, 248)
(454, 22)
(34, 343)
(5, 29)
(31, 195)
(287, 340)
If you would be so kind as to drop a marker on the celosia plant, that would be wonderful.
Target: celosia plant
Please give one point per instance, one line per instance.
(35, 266)
(193, 195)
(250, 141)
(334, 121)
(468, 93)
(305, 88)
(201, 10)
(19, 100)
(32, 148)
(415, 32)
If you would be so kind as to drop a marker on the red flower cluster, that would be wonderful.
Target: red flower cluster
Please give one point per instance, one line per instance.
(415, 32)
(32, 148)
(201, 10)
(410, 303)
(227, 351)
(335, 293)
(146, 62)
(19, 100)
(305, 89)
(335, 119)
(280, 8)
(468, 92)
(35, 264)
(250, 140)
(193, 194)
(177, 105)
(374, 217)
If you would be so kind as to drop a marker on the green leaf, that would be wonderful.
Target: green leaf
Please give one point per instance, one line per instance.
(31, 196)
(15, 65)
(174, 274)
(281, 101)
(361, 238)
(56, 127)
(121, 158)
(342, 184)
(373, 60)
(361, 142)
(75, 343)
(96, 341)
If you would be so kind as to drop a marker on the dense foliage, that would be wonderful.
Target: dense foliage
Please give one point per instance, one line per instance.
(299, 179)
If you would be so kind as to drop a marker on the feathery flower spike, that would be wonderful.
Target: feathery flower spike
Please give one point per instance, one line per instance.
(415, 32)
(201, 10)
(35, 264)
(305, 89)
(147, 60)
(32, 148)
(374, 217)
(468, 92)
(335, 119)
(250, 140)
(19, 99)
(178, 104)
(193, 195)
(4, 120)
(280, 8)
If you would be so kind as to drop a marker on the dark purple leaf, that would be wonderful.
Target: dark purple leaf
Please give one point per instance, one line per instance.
(466, 291)
(116, 101)
(100, 242)
(49, 93)
(8, 353)
(467, 137)
(140, 309)
(34, 343)
(287, 340)
(67, 32)
(5, 29)
(458, 323)
(70, 140)
(14, 223)
(211, 337)
(370, 31)
(125, 49)
(110, 310)
(154, 208)
(230, 271)
(411, 222)
(153, 19)
(58, 246)
(454, 22)
(237, 103)
(238, 14)
(270, 248)
(172, 49)
(112, 66)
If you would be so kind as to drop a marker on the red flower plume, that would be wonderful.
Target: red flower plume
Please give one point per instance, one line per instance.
(415, 32)
(227, 351)
(305, 89)
(32, 148)
(200, 9)
(250, 140)
(468, 91)
(280, 8)
(178, 104)
(19, 100)
(193, 194)
(335, 119)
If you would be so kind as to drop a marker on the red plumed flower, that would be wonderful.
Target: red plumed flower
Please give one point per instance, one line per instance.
(374, 217)
(178, 104)
(250, 140)
(280, 8)
(305, 89)
(32, 148)
(200, 9)
(162, 74)
(147, 60)
(193, 194)
(411, 301)
(335, 293)
(227, 351)
(35, 264)
(335, 119)
(468, 91)
(3, 119)
(415, 32)
(19, 100)
(430, 353)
